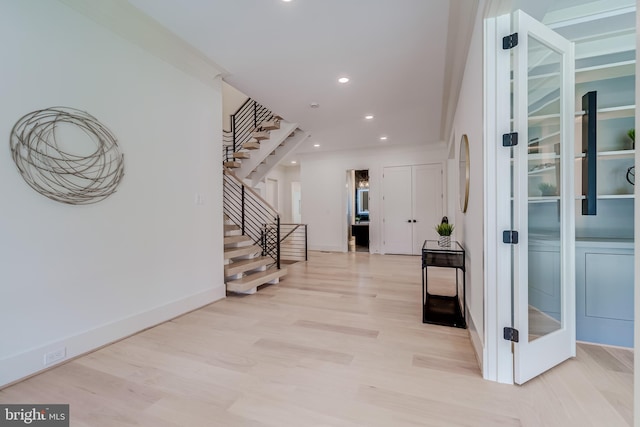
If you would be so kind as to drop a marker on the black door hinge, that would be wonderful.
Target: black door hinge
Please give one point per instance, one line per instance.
(510, 41)
(511, 334)
(510, 139)
(510, 236)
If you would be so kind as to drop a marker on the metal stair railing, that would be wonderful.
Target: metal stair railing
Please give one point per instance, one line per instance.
(247, 119)
(293, 243)
(255, 217)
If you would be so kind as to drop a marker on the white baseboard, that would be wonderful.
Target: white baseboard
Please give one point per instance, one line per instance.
(28, 363)
(326, 248)
(476, 342)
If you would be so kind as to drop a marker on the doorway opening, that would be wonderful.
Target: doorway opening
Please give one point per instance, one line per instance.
(358, 210)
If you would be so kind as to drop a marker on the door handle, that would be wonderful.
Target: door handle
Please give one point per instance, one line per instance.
(408, 220)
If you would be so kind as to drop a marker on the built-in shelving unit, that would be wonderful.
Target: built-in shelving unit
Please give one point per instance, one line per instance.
(605, 54)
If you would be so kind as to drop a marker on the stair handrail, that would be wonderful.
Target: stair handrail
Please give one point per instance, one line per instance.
(244, 122)
(253, 192)
(254, 215)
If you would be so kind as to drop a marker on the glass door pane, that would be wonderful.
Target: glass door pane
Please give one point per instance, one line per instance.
(544, 89)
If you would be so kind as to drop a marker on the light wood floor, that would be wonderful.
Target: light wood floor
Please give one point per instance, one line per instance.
(338, 342)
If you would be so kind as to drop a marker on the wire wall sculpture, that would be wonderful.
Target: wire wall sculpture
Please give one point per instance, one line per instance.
(87, 173)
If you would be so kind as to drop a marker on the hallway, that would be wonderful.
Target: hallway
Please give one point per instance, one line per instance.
(338, 342)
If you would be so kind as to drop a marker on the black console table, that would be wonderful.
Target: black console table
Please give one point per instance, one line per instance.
(441, 309)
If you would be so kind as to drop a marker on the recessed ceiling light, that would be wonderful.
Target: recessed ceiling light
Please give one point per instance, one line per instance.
(286, 1)
(383, 138)
(314, 105)
(316, 145)
(343, 79)
(369, 117)
(293, 162)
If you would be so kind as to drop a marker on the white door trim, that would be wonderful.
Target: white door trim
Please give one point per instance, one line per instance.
(498, 357)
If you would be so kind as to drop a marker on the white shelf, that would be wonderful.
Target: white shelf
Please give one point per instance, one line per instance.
(616, 112)
(541, 170)
(543, 199)
(542, 156)
(541, 141)
(616, 154)
(609, 196)
(608, 113)
(615, 196)
(605, 71)
(549, 199)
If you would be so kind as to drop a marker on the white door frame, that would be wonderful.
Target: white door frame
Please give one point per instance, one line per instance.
(498, 356)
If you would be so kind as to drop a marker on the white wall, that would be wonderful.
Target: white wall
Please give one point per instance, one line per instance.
(324, 199)
(469, 226)
(285, 175)
(82, 276)
(232, 99)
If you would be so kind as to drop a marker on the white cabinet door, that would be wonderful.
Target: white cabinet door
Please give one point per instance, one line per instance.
(412, 206)
(397, 222)
(544, 293)
(427, 203)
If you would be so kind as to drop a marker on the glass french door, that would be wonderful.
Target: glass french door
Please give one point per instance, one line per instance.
(543, 198)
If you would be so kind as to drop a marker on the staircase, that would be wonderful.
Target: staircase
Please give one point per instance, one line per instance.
(259, 141)
(251, 238)
(245, 267)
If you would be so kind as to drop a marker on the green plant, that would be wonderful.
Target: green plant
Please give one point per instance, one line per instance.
(632, 134)
(548, 189)
(444, 229)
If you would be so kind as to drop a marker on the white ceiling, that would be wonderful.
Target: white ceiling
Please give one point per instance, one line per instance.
(288, 55)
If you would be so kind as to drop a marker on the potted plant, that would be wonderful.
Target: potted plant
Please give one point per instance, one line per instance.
(632, 134)
(444, 230)
(548, 189)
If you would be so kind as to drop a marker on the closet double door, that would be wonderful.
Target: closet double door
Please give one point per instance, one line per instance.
(412, 206)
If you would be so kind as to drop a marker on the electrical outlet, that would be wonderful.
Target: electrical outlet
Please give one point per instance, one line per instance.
(55, 356)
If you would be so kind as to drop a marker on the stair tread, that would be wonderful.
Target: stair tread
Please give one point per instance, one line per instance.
(270, 124)
(241, 251)
(260, 135)
(241, 155)
(232, 165)
(255, 279)
(241, 266)
(230, 227)
(251, 145)
(236, 239)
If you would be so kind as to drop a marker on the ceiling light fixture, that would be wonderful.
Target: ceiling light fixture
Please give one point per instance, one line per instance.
(293, 162)
(316, 145)
(314, 105)
(369, 117)
(343, 79)
(286, 1)
(383, 138)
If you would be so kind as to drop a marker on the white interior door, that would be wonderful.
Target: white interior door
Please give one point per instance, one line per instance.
(296, 207)
(397, 204)
(427, 203)
(543, 96)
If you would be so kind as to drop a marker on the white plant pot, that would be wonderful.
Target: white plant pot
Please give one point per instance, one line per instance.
(444, 241)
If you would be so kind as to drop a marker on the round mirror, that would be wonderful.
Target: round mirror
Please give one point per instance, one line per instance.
(463, 170)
